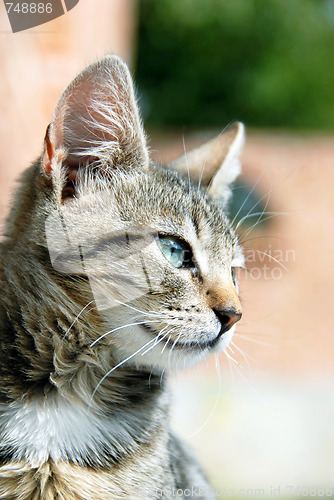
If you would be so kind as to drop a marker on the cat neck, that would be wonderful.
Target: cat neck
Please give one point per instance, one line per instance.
(58, 429)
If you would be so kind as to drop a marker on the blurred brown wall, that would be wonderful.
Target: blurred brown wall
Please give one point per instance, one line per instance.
(36, 66)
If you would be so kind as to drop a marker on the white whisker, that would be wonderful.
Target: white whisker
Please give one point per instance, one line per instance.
(230, 348)
(174, 344)
(77, 317)
(170, 331)
(246, 199)
(155, 344)
(162, 374)
(219, 391)
(251, 386)
(255, 341)
(263, 220)
(257, 214)
(264, 196)
(246, 358)
(158, 339)
(201, 176)
(138, 310)
(186, 157)
(232, 359)
(121, 328)
(106, 375)
(273, 258)
(260, 218)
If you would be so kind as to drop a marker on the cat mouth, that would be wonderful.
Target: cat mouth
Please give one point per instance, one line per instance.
(190, 346)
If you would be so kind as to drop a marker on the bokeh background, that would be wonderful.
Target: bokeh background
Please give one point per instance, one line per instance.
(261, 417)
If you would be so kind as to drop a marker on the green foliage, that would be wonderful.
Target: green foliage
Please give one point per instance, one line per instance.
(209, 62)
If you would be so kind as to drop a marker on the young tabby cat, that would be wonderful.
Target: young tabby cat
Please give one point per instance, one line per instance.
(113, 270)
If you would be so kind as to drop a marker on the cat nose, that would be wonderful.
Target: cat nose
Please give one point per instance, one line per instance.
(227, 318)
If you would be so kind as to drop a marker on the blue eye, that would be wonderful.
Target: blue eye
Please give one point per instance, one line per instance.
(176, 251)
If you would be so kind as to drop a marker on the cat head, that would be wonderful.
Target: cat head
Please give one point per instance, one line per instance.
(154, 241)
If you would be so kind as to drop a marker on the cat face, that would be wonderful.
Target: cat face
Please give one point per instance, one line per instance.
(192, 302)
(159, 253)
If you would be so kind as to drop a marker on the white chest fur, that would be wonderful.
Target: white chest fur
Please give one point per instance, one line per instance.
(58, 429)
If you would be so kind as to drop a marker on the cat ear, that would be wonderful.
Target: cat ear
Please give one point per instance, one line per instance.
(96, 121)
(216, 163)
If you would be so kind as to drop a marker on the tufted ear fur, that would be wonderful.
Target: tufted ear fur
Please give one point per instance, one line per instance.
(216, 163)
(95, 122)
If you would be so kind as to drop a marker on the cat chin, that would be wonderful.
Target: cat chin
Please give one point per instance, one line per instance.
(173, 361)
(185, 358)
(163, 357)
(224, 341)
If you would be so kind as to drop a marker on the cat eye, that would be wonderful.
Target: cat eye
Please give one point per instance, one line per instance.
(176, 251)
(233, 274)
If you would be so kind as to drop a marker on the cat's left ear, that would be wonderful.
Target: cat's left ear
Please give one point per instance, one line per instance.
(96, 122)
(215, 164)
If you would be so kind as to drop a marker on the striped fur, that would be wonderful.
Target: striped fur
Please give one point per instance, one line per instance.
(93, 316)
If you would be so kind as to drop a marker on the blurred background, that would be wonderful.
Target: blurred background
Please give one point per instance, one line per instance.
(260, 418)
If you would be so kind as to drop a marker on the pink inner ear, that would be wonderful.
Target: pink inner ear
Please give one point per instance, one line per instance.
(96, 122)
(96, 111)
(48, 153)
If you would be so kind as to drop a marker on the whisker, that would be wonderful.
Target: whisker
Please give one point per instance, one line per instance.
(266, 194)
(158, 339)
(255, 341)
(174, 344)
(186, 157)
(121, 328)
(162, 374)
(273, 258)
(257, 214)
(246, 358)
(164, 369)
(260, 218)
(232, 375)
(106, 375)
(230, 348)
(247, 198)
(170, 331)
(251, 387)
(219, 391)
(232, 359)
(201, 176)
(138, 310)
(155, 344)
(77, 317)
(265, 236)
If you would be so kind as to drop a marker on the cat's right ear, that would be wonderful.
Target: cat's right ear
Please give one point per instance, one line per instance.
(96, 122)
(216, 164)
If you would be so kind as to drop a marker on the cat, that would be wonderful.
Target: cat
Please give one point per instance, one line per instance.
(114, 269)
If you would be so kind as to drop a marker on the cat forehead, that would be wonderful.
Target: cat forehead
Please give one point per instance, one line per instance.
(161, 201)
(188, 204)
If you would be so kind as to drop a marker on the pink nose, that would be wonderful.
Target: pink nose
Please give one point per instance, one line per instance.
(227, 318)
